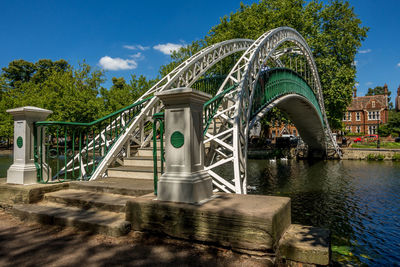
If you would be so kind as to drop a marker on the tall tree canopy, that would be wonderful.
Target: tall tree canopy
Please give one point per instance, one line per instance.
(333, 31)
(72, 94)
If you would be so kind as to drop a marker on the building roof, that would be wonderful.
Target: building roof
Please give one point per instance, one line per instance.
(364, 102)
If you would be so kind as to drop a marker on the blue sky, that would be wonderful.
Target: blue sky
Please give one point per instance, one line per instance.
(134, 37)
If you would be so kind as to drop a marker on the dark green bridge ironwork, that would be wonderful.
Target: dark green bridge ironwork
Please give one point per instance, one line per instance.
(278, 82)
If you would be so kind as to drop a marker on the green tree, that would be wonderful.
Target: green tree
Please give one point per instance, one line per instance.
(122, 94)
(72, 94)
(118, 96)
(393, 124)
(333, 32)
(18, 71)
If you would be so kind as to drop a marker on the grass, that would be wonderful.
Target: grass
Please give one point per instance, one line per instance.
(390, 145)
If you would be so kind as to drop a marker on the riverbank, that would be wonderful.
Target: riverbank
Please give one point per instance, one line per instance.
(5, 151)
(370, 154)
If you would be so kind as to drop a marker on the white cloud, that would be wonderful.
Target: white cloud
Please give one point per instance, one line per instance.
(109, 63)
(398, 64)
(368, 83)
(365, 51)
(355, 62)
(136, 47)
(167, 48)
(138, 55)
(357, 84)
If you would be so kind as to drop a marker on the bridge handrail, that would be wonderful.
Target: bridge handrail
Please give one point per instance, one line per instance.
(74, 141)
(211, 107)
(271, 94)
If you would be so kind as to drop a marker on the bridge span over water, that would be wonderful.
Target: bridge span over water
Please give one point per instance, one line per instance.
(276, 70)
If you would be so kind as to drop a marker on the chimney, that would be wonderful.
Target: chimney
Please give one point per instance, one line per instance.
(355, 92)
(385, 93)
(385, 89)
(398, 99)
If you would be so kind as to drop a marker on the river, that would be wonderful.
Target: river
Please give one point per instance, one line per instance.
(359, 201)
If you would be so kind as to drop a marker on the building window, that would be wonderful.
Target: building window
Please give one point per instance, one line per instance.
(373, 115)
(358, 129)
(347, 116)
(373, 104)
(348, 128)
(294, 132)
(372, 129)
(273, 133)
(358, 116)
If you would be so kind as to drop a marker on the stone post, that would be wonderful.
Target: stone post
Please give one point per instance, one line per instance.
(23, 170)
(185, 179)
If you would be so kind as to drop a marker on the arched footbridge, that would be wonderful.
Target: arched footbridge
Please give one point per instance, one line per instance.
(276, 70)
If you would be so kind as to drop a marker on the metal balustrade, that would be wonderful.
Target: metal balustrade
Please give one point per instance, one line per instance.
(73, 150)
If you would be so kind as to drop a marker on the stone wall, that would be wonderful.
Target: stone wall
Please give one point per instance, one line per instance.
(362, 153)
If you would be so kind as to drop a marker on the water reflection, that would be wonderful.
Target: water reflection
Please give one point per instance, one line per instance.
(357, 200)
(5, 163)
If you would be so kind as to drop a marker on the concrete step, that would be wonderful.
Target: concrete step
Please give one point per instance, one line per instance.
(115, 185)
(89, 200)
(141, 161)
(133, 172)
(102, 222)
(158, 143)
(147, 152)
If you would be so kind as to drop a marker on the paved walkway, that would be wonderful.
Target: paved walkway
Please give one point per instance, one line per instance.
(24, 244)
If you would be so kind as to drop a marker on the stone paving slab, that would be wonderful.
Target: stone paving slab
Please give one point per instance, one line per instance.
(88, 199)
(108, 223)
(122, 186)
(250, 223)
(306, 244)
(14, 193)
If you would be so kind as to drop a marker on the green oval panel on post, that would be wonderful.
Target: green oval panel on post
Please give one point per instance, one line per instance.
(20, 142)
(177, 139)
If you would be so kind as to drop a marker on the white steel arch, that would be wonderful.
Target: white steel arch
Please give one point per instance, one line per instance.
(182, 76)
(230, 142)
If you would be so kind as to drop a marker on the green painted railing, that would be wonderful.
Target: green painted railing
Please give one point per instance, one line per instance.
(209, 85)
(158, 117)
(279, 82)
(211, 107)
(72, 150)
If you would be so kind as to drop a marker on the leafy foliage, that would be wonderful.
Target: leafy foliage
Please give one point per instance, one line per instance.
(333, 32)
(392, 126)
(72, 94)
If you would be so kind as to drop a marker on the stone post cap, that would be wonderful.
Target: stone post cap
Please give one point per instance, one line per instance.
(29, 112)
(183, 95)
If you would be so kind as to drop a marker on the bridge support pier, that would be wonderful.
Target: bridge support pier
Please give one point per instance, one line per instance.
(185, 179)
(23, 170)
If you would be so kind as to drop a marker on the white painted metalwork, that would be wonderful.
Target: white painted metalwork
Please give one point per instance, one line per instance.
(182, 76)
(230, 147)
(226, 140)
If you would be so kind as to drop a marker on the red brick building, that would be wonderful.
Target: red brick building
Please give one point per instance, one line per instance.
(278, 130)
(366, 112)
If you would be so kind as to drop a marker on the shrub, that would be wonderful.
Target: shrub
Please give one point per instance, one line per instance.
(380, 157)
(370, 157)
(396, 157)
